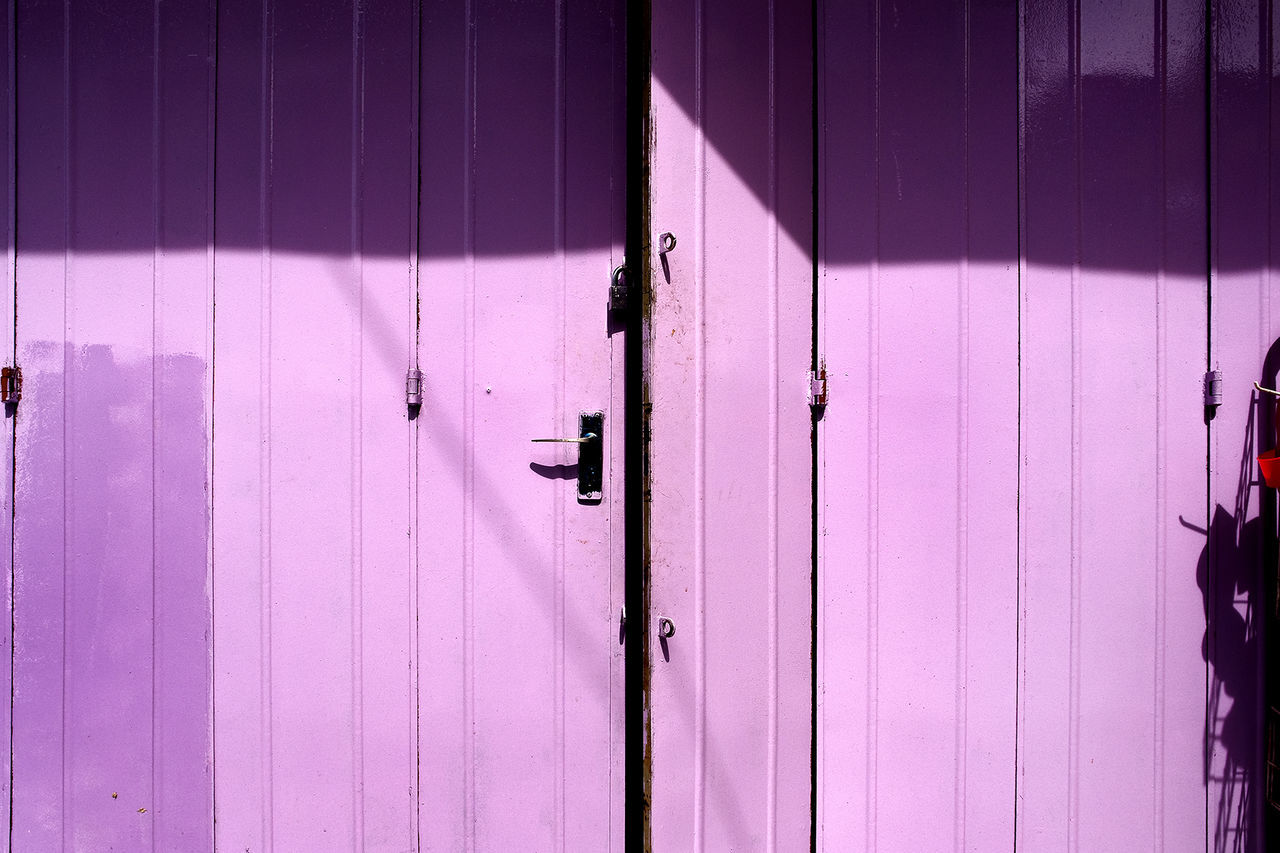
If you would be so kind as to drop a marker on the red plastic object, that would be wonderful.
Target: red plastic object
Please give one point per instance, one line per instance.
(1269, 460)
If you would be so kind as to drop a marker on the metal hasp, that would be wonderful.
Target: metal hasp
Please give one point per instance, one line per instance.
(818, 385)
(413, 387)
(590, 455)
(10, 385)
(618, 289)
(1213, 388)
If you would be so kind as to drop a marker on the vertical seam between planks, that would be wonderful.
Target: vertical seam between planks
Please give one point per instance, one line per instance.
(962, 475)
(157, 789)
(700, 418)
(357, 435)
(771, 805)
(12, 261)
(1073, 715)
(1210, 641)
(1262, 809)
(559, 109)
(415, 274)
(1210, 563)
(211, 258)
(1020, 203)
(468, 437)
(267, 119)
(873, 468)
(1162, 366)
(1258, 615)
(68, 381)
(819, 12)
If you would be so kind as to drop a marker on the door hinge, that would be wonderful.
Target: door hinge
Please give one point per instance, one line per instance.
(618, 289)
(10, 385)
(413, 387)
(818, 385)
(1213, 388)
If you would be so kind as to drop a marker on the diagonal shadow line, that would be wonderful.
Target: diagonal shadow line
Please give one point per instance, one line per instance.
(579, 629)
(579, 633)
(381, 333)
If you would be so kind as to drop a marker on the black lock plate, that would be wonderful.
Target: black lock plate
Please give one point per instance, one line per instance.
(591, 458)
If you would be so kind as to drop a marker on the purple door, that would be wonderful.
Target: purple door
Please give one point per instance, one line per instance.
(416, 614)
(259, 601)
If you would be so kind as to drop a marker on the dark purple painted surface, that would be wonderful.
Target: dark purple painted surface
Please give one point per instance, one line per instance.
(111, 710)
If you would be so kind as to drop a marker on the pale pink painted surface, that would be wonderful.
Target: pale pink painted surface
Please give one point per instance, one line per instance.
(314, 731)
(918, 447)
(728, 359)
(111, 702)
(1016, 340)
(519, 586)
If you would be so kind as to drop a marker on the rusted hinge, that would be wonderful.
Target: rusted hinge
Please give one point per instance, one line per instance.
(10, 384)
(818, 385)
(1213, 388)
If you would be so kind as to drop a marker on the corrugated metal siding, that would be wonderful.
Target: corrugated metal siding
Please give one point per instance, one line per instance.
(729, 350)
(519, 586)
(111, 704)
(312, 588)
(1000, 538)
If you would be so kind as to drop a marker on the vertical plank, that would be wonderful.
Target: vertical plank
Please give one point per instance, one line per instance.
(312, 557)
(728, 354)
(383, 199)
(1244, 334)
(918, 490)
(182, 329)
(243, 788)
(1048, 560)
(593, 210)
(519, 56)
(1182, 316)
(111, 703)
(310, 395)
(39, 802)
(446, 792)
(8, 339)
